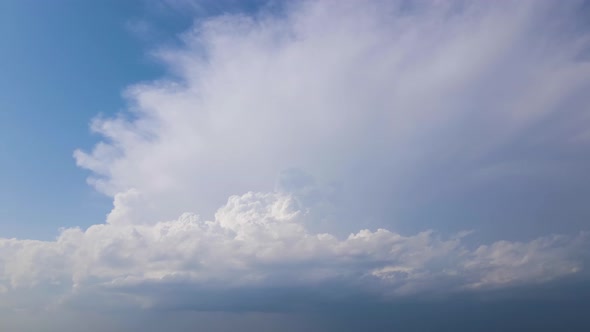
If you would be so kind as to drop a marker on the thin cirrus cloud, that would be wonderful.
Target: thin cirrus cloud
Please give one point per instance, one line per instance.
(281, 148)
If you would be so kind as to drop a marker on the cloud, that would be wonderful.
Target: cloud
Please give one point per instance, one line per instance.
(291, 143)
(395, 108)
(257, 244)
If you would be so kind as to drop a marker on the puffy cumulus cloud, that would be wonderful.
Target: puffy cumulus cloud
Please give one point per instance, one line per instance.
(361, 110)
(257, 246)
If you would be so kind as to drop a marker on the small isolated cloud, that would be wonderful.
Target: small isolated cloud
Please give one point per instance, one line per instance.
(291, 144)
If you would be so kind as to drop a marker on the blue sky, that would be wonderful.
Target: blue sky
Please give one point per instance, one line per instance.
(220, 163)
(62, 63)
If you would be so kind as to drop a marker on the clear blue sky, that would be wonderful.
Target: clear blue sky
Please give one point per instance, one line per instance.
(61, 63)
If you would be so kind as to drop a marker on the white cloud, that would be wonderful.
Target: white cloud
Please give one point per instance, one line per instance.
(392, 104)
(257, 241)
(354, 107)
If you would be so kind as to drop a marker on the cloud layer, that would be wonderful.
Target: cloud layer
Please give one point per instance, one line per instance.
(327, 124)
(257, 241)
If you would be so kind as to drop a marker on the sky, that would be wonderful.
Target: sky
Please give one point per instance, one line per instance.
(305, 165)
